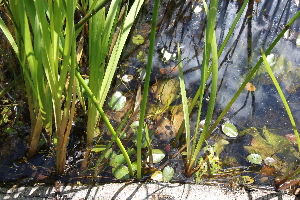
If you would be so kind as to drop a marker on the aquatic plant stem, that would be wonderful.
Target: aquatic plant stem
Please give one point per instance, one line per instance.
(201, 88)
(285, 103)
(233, 26)
(212, 100)
(101, 28)
(146, 88)
(184, 104)
(106, 121)
(92, 11)
(210, 47)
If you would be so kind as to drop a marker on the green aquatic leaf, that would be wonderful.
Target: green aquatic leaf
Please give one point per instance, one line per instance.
(141, 56)
(255, 158)
(229, 129)
(117, 101)
(117, 160)
(121, 172)
(166, 92)
(138, 39)
(268, 144)
(168, 173)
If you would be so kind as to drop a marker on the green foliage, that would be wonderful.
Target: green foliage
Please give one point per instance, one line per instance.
(268, 144)
(138, 39)
(168, 173)
(45, 45)
(117, 101)
(255, 158)
(229, 129)
(210, 164)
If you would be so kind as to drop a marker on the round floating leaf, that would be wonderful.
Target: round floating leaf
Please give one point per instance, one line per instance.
(229, 129)
(157, 155)
(117, 101)
(157, 176)
(121, 172)
(138, 39)
(168, 173)
(255, 158)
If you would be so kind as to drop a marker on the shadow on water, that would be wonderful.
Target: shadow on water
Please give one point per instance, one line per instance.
(183, 22)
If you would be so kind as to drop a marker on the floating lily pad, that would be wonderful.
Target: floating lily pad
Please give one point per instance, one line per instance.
(138, 39)
(229, 129)
(168, 173)
(117, 101)
(255, 158)
(268, 144)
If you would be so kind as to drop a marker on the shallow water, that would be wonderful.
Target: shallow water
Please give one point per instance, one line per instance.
(183, 22)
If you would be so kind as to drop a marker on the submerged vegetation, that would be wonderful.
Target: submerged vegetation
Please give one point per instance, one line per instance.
(51, 45)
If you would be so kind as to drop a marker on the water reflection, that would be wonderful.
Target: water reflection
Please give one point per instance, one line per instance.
(183, 22)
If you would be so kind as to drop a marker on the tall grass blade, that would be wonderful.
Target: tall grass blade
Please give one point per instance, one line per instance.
(233, 26)
(210, 46)
(106, 120)
(146, 88)
(118, 48)
(184, 104)
(101, 28)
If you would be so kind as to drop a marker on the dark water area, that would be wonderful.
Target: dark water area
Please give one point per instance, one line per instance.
(183, 22)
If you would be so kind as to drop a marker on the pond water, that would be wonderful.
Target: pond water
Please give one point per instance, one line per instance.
(183, 22)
